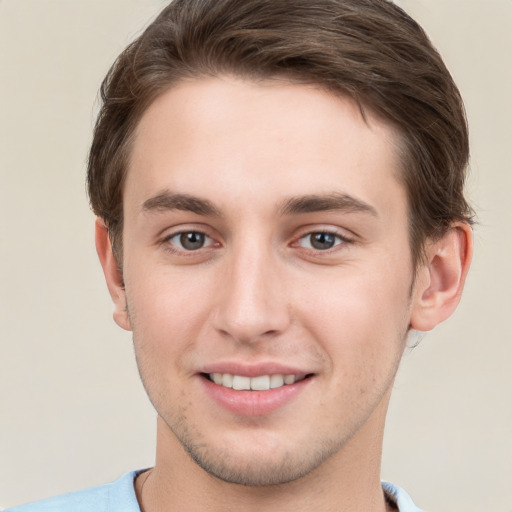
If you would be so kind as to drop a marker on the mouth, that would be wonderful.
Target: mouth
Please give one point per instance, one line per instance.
(252, 391)
(257, 383)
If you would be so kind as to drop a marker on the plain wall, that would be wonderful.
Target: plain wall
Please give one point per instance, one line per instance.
(72, 411)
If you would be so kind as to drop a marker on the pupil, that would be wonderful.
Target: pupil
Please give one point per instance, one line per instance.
(322, 240)
(192, 241)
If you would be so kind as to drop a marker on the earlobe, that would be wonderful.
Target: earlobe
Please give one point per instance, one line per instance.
(440, 280)
(112, 275)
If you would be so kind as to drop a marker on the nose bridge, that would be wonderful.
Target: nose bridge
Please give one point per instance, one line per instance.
(253, 301)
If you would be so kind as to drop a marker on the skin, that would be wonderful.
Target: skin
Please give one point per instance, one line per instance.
(258, 292)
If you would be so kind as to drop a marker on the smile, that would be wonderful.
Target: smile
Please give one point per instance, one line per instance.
(258, 383)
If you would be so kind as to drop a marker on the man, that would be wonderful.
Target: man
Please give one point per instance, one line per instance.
(279, 192)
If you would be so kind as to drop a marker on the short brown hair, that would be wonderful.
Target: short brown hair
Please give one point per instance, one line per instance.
(370, 50)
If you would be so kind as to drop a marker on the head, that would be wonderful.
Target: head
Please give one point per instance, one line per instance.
(281, 183)
(370, 51)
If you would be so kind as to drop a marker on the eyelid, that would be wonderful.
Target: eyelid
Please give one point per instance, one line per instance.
(345, 241)
(166, 239)
(334, 235)
(343, 233)
(178, 235)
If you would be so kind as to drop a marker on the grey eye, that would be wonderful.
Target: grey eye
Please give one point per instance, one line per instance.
(320, 241)
(190, 240)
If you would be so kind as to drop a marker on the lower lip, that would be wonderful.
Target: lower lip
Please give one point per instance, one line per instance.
(253, 403)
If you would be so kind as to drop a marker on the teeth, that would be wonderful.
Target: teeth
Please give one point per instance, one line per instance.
(289, 379)
(276, 381)
(227, 380)
(259, 383)
(241, 383)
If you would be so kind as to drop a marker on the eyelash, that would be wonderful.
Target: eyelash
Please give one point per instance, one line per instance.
(170, 246)
(338, 240)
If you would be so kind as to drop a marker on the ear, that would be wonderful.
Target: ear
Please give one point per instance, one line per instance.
(441, 278)
(113, 275)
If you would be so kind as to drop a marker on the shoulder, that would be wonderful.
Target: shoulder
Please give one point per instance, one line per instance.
(400, 498)
(118, 496)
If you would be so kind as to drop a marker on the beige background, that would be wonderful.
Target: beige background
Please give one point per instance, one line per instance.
(72, 411)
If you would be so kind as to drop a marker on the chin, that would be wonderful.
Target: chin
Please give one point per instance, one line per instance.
(260, 466)
(254, 473)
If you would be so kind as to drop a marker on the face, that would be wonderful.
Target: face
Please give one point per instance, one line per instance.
(267, 274)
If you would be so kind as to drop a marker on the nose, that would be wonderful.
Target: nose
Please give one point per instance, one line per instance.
(252, 304)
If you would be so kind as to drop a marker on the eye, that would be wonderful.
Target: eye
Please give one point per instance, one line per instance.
(320, 241)
(190, 240)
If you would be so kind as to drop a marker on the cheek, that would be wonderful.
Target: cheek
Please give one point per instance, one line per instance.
(167, 313)
(361, 321)
(166, 295)
(164, 334)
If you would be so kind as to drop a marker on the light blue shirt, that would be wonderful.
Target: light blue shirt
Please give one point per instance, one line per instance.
(119, 496)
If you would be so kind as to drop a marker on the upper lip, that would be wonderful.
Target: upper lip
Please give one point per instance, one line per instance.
(253, 370)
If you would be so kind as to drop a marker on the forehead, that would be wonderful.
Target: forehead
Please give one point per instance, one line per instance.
(250, 138)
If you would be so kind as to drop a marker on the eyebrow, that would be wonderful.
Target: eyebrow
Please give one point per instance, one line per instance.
(169, 201)
(166, 201)
(329, 202)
